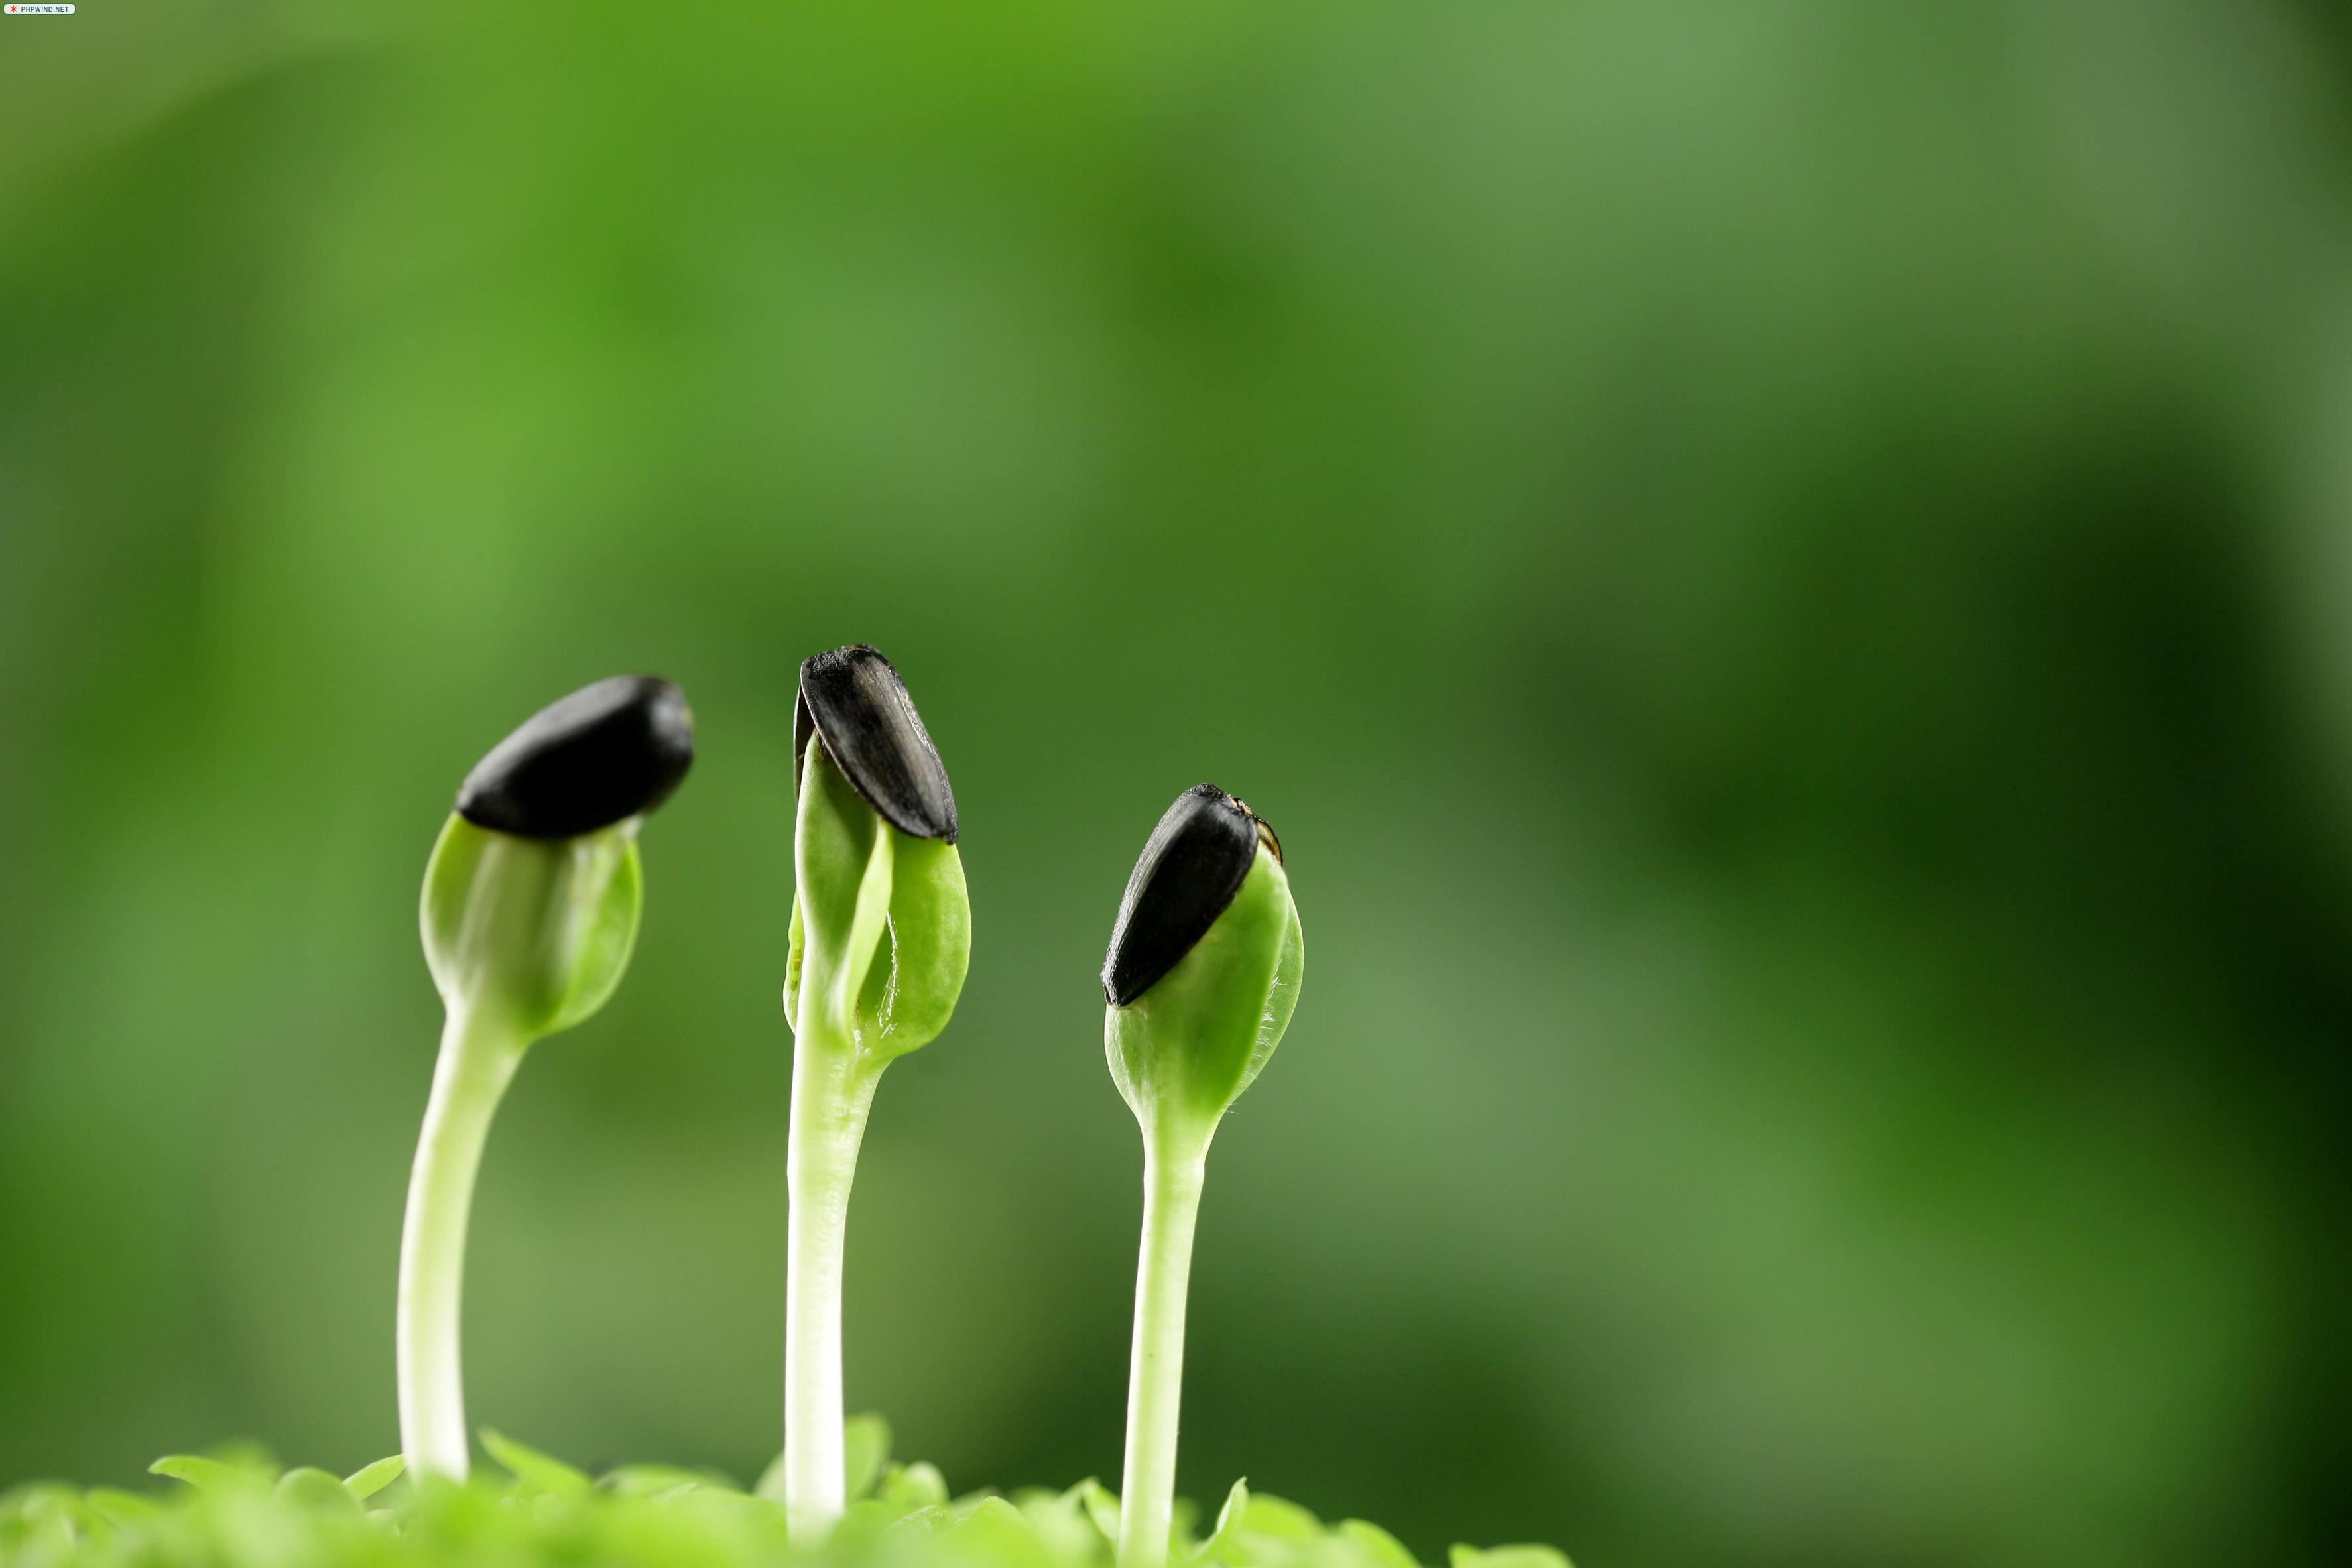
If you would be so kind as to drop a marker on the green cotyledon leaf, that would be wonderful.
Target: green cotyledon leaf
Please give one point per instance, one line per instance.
(535, 1472)
(1507, 1557)
(368, 1479)
(994, 1532)
(661, 1480)
(1228, 1525)
(535, 931)
(1101, 1505)
(1060, 1520)
(316, 1488)
(865, 1450)
(209, 1474)
(1190, 1043)
(881, 926)
(1278, 1520)
(1383, 1550)
(910, 1486)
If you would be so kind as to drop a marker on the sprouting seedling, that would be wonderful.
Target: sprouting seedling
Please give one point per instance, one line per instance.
(881, 932)
(1204, 972)
(529, 911)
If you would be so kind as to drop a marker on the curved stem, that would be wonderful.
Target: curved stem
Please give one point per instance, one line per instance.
(831, 1094)
(478, 1061)
(1173, 1165)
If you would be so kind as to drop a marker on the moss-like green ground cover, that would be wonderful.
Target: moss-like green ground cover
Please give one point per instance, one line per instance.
(240, 1509)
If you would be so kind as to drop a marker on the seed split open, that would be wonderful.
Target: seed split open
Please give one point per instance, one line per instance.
(1189, 869)
(609, 751)
(853, 700)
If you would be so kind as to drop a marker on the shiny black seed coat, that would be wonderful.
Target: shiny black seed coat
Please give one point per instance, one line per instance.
(1191, 868)
(607, 752)
(854, 700)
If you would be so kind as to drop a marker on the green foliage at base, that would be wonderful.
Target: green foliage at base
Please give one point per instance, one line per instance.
(236, 1509)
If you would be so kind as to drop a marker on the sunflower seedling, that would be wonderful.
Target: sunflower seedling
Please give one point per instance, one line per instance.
(1204, 972)
(881, 932)
(529, 911)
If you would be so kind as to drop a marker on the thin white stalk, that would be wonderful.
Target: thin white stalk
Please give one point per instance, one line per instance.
(831, 1094)
(1173, 1165)
(478, 1061)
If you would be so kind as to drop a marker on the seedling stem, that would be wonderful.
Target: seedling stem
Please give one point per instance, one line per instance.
(479, 1054)
(833, 1092)
(1175, 1159)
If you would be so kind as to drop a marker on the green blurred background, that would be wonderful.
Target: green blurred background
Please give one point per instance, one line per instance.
(1781, 568)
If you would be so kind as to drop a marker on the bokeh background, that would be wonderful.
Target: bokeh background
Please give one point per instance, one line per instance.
(1782, 569)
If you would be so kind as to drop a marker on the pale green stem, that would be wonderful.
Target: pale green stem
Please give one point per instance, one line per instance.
(478, 1058)
(832, 1092)
(1173, 1164)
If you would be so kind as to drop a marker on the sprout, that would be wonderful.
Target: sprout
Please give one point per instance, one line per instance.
(530, 910)
(881, 932)
(1204, 972)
